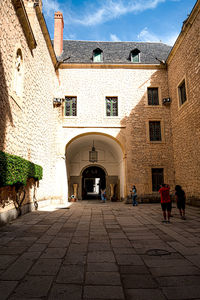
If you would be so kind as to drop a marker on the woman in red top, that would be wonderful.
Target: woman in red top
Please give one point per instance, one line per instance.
(165, 202)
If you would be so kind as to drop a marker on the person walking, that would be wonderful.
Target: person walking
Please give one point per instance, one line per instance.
(134, 195)
(180, 200)
(165, 202)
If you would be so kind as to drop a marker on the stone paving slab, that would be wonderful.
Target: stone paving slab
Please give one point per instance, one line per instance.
(177, 281)
(102, 278)
(71, 274)
(46, 267)
(138, 281)
(144, 294)
(6, 260)
(6, 288)
(101, 252)
(103, 292)
(102, 267)
(65, 291)
(20, 267)
(33, 286)
(184, 292)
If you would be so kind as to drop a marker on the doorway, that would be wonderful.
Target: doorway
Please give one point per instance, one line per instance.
(93, 180)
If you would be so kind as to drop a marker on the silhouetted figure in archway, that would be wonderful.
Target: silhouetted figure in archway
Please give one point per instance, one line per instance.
(103, 195)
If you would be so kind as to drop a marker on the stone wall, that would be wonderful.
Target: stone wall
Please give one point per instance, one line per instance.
(91, 86)
(185, 64)
(28, 120)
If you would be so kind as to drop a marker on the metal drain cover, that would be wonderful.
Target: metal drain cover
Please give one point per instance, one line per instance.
(157, 252)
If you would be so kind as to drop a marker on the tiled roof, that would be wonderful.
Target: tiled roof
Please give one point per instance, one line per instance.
(113, 52)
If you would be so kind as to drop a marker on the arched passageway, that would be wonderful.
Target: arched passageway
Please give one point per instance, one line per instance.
(93, 180)
(85, 178)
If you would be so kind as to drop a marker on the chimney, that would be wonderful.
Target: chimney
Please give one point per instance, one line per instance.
(58, 33)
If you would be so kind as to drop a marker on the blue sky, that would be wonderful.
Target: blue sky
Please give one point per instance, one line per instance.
(119, 20)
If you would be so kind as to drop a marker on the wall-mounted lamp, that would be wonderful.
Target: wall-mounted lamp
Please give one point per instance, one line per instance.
(166, 101)
(57, 101)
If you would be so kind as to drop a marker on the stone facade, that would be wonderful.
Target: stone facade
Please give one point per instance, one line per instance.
(28, 120)
(184, 64)
(131, 127)
(31, 127)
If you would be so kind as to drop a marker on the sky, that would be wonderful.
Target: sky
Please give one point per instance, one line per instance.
(119, 20)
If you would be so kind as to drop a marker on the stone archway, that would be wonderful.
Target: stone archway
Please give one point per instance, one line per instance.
(111, 160)
(93, 180)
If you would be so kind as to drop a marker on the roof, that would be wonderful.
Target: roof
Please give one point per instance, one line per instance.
(113, 52)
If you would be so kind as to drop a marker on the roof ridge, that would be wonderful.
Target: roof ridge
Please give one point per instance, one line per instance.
(138, 42)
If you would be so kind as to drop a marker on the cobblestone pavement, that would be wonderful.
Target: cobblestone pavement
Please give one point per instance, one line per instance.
(101, 251)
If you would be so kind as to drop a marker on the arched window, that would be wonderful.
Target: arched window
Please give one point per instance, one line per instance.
(18, 73)
(135, 56)
(97, 55)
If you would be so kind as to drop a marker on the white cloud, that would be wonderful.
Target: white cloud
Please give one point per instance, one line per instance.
(112, 9)
(146, 36)
(170, 40)
(71, 36)
(114, 38)
(50, 7)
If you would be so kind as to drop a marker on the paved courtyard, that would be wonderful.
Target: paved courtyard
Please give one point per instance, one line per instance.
(101, 251)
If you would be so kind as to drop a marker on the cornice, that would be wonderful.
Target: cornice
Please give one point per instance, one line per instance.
(110, 66)
(46, 35)
(95, 126)
(24, 21)
(185, 28)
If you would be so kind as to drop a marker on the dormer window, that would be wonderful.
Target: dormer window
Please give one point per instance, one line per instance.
(97, 55)
(135, 56)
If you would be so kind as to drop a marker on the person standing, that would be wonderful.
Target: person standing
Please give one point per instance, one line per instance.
(103, 195)
(134, 195)
(180, 200)
(165, 202)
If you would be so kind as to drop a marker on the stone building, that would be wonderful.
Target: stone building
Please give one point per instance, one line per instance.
(98, 114)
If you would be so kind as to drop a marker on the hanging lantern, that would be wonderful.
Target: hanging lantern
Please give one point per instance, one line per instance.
(93, 155)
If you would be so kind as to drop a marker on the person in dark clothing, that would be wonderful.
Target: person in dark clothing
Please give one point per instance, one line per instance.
(134, 196)
(180, 200)
(165, 202)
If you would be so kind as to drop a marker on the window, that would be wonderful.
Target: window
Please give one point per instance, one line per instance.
(182, 92)
(111, 106)
(70, 106)
(97, 55)
(157, 179)
(154, 131)
(134, 56)
(153, 96)
(18, 75)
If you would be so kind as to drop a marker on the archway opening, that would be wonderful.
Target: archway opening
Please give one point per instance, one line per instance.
(110, 163)
(93, 180)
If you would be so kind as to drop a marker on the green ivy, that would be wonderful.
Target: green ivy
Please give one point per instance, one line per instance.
(15, 170)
